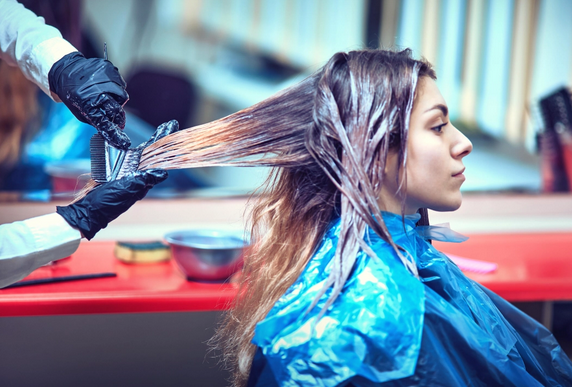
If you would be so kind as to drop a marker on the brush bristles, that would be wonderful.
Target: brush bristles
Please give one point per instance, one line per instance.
(98, 158)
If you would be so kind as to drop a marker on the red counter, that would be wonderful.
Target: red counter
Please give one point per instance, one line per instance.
(157, 287)
(531, 267)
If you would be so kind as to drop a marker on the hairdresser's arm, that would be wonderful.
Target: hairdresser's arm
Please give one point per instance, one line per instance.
(27, 42)
(29, 244)
(92, 89)
(107, 201)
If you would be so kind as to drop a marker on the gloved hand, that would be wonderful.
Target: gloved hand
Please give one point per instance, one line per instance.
(109, 200)
(162, 130)
(133, 157)
(94, 91)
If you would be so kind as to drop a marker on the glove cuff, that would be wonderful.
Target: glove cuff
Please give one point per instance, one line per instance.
(81, 221)
(56, 70)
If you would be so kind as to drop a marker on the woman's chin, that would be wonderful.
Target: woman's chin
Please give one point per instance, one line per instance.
(447, 206)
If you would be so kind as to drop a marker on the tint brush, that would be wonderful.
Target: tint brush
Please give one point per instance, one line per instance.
(99, 159)
(102, 155)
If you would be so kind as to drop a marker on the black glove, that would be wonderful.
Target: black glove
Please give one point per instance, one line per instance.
(134, 154)
(94, 91)
(109, 200)
(162, 130)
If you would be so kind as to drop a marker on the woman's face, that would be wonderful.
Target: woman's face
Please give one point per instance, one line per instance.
(435, 157)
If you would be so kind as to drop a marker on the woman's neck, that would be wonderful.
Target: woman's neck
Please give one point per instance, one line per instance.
(390, 203)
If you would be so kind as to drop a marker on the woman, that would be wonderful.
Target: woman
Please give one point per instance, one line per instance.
(340, 288)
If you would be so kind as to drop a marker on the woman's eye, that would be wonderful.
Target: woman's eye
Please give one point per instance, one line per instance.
(439, 128)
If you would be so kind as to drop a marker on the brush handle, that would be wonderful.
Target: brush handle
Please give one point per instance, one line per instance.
(42, 281)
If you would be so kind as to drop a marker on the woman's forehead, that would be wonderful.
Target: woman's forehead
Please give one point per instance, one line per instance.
(427, 95)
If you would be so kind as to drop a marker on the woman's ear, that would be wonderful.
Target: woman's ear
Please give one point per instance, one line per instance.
(391, 165)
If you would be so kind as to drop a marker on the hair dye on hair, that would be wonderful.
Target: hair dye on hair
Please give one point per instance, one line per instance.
(327, 139)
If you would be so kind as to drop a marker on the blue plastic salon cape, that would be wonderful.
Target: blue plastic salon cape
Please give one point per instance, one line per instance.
(388, 328)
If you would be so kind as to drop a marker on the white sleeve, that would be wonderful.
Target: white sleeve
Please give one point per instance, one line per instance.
(27, 42)
(29, 244)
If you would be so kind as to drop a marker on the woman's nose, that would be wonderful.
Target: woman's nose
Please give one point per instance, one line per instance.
(461, 146)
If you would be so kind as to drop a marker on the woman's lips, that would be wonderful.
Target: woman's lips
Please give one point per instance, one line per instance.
(460, 174)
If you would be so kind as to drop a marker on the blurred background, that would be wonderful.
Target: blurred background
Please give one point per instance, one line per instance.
(503, 66)
(199, 60)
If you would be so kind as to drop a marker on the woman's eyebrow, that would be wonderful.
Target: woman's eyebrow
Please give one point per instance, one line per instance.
(441, 107)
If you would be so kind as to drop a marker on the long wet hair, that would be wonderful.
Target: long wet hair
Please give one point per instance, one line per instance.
(328, 139)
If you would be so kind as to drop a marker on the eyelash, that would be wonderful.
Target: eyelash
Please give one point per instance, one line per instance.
(439, 128)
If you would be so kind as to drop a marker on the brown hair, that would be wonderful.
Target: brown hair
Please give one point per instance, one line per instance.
(18, 107)
(327, 138)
